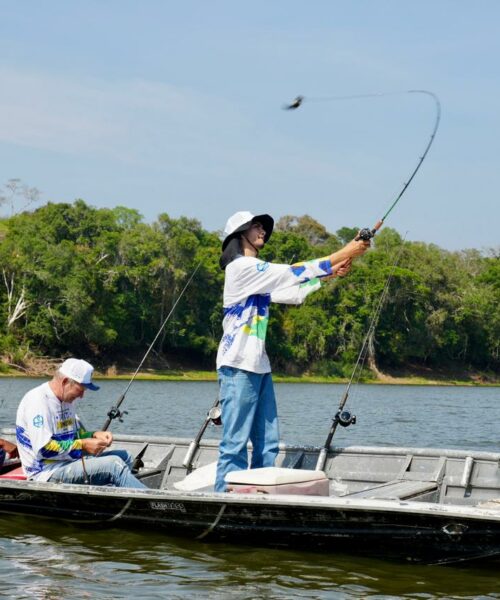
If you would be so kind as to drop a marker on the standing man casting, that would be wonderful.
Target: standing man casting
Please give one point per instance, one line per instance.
(53, 444)
(246, 390)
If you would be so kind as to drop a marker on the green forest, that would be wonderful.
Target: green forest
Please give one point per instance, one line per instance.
(98, 284)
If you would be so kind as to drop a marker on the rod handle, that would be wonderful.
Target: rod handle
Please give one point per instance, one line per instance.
(188, 459)
(320, 464)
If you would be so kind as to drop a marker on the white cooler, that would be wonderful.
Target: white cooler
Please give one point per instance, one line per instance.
(275, 480)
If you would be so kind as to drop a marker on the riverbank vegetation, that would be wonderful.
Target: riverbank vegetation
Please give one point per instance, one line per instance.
(98, 283)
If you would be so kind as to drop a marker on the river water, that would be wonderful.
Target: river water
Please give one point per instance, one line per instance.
(44, 559)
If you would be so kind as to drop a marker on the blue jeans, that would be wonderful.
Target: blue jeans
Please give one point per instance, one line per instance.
(109, 468)
(249, 412)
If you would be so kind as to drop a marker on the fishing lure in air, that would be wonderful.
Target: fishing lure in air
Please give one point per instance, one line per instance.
(367, 233)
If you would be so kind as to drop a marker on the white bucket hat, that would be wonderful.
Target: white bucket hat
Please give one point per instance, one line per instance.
(80, 371)
(241, 221)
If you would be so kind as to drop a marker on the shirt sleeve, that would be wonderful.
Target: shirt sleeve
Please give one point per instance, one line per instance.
(45, 443)
(66, 445)
(38, 424)
(294, 294)
(83, 434)
(61, 449)
(247, 276)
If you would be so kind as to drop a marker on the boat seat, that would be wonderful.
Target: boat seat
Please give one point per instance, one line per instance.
(276, 480)
(398, 489)
(14, 474)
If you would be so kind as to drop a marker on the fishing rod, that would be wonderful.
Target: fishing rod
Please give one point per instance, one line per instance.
(367, 233)
(213, 416)
(115, 412)
(342, 417)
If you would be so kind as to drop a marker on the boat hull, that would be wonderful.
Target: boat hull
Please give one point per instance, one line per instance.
(414, 530)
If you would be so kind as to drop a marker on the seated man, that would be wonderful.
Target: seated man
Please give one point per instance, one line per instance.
(9, 448)
(53, 444)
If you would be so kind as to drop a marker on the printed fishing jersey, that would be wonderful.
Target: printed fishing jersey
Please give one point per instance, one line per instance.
(48, 432)
(250, 286)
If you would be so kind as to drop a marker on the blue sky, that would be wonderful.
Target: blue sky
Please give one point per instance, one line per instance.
(176, 107)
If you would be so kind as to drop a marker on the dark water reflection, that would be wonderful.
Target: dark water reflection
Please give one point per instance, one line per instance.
(43, 559)
(64, 562)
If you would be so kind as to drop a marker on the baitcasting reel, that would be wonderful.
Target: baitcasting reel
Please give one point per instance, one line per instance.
(366, 234)
(215, 414)
(115, 413)
(345, 418)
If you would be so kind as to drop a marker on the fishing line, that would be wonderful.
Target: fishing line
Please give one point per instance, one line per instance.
(86, 477)
(378, 309)
(343, 417)
(374, 320)
(114, 412)
(367, 233)
(360, 363)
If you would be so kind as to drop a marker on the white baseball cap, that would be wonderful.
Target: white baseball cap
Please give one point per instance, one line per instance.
(80, 371)
(241, 221)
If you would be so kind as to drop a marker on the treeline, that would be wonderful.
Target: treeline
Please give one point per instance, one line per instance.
(98, 283)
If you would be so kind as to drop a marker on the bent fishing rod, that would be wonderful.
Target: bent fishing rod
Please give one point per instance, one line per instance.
(213, 415)
(115, 412)
(342, 417)
(368, 233)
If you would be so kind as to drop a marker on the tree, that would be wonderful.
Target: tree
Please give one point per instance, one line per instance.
(346, 234)
(101, 282)
(18, 196)
(313, 232)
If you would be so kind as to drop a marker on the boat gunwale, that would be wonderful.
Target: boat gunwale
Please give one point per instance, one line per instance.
(381, 450)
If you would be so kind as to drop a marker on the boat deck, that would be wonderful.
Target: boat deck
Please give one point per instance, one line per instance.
(429, 475)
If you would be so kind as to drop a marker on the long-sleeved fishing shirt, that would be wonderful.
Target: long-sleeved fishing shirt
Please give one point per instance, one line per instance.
(48, 432)
(249, 288)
